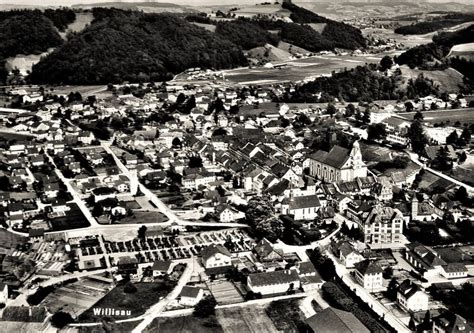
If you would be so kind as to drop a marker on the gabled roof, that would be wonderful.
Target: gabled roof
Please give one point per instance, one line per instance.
(308, 201)
(332, 320)
(264, 248)
(161, 265)
(336, 157)
(212, 250)
(273, 278)
(408, 289)
(368, 267)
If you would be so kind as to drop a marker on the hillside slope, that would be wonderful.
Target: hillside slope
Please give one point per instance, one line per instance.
(134, 46)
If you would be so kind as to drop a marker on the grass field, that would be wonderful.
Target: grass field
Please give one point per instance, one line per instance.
(245, 319)
(448, 80)
(10, 240)
(451, 116)
(286, 314)
(73, 220)
(463, 51)
(301, 69)
(187, 324)
(144, 217)
(146, 295)
(125, 327)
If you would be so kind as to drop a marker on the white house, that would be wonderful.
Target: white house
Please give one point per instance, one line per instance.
(454, 271)
(162, 267)
(190, 296)
(303, 208)
(369, 275)
(348, 255)
(228, 214)
(216, 256)
(411, 297)
(3, 293)
(275, 282)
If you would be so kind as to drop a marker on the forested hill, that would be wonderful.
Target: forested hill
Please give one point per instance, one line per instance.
(134, 46)
(434, 55)
(438, 23)
(26, 32)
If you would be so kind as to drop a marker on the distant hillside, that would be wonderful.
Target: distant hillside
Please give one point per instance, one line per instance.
(134, 46)
(424, 56)
(438, 23)
(439, 55)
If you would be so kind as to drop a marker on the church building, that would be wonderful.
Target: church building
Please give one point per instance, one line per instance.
(339, 164)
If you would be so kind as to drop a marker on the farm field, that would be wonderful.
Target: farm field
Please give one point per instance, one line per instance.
(10, 240)
(77, 297)
(438, 116)
(463, 51)
(300, 69)
(245, 319)
(225, 292)
(186, 324)
(448, 80)
(143, 217)
(146, 295)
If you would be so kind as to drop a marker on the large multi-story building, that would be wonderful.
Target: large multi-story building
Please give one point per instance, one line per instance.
(339, 164)
(383, 225)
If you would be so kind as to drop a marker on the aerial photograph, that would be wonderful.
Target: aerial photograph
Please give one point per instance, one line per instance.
(236, 166)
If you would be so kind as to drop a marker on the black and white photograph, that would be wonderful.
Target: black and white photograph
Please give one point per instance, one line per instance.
(236, 166)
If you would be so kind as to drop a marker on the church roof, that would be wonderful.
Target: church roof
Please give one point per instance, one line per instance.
(336, 157)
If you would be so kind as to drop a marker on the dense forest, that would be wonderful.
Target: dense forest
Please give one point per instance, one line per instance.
(433, 55)
(30, 32)
(443, 22)
(61, 17)
(302, 15)
(359, 84)
(246, 33)
(134, 46)
(26, 32)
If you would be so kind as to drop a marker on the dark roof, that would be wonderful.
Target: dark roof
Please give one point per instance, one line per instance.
(306, 267)
(408, 289)
(332, 320)
(211, 250)
(308, 201)
(273, 278)
(191, 292)
(264, 248)
(336, 157)
(346, 248)
(161, 265)
(368, 267)
(455, 267)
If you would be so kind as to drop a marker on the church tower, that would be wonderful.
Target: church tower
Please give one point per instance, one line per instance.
(359, 168)
(414, 208)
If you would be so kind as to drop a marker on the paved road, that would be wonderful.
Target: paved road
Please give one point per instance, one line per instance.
(301, 250)
(416, 160)
(367, 297)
